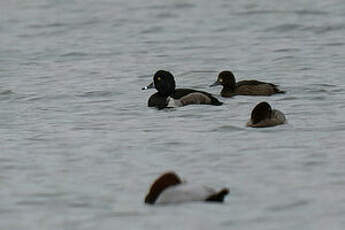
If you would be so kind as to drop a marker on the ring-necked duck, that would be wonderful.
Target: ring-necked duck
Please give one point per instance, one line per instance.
(263, 116)
(247, 87)
(164, 82)
(169, 188)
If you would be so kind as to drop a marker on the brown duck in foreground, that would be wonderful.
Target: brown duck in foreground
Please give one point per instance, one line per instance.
(169, 188)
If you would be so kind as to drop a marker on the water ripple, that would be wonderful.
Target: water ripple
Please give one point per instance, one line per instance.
(39, 26)
(153, 29)
(325, 28)
(288, 206)
(287, 57)
(283, 50)
(299, 12)
(285, 28)
(337, 44)
(74, 54)
(96, 94)
(6, 92)
(225, 128)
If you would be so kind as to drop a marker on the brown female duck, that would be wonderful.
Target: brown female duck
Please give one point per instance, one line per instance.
(248, 87)
(263, 116)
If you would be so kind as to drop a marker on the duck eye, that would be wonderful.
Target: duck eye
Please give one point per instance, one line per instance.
(220, 79)
(158, 78)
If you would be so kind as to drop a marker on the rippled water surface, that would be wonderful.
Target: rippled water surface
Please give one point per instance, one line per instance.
(79, 146)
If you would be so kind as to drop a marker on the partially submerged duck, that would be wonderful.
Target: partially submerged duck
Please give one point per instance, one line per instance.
(264, 116)
(247, 87)
(168, 96)
(169, 188)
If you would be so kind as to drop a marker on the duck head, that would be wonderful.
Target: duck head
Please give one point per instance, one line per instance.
(163, 182)
(226, 79)
(164, 82)
(261, 112)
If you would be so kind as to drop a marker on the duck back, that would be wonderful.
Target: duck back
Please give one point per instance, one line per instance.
(277, 118)
(256, 88)
(187, 96)
(191, 192)
(206, 99)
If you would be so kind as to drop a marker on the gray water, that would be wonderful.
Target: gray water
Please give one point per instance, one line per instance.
(80, 148)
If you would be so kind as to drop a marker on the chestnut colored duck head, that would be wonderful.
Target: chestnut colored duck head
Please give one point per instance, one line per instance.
(165, 181)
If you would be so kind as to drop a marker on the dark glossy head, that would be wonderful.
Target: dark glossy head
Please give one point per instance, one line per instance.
(261, 112)
(163, 182)
(164, 82)
(225, 78)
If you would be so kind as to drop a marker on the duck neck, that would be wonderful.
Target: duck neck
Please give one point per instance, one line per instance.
(167, 92)
(228, 89)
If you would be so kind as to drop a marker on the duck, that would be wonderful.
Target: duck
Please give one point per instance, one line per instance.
(264, 116)
(168, 96)
(169, 188)
(247, 87)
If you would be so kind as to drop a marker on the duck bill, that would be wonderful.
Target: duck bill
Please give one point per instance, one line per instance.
(215, 84)
(150, 86)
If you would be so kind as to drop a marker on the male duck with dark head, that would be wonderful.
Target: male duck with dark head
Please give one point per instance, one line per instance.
(264, 116)
(167, 96)
(247, 87)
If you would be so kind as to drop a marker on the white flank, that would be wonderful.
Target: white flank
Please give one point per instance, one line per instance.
(173, 103)
(185, 192)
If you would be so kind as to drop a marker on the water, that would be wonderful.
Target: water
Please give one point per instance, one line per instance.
(79, 147)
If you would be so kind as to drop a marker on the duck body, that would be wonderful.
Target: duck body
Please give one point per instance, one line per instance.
(164, 82)
(246, 87)
(254, 88)
(169, 188)
(185, 192)
(264, 116)
(182, 97)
